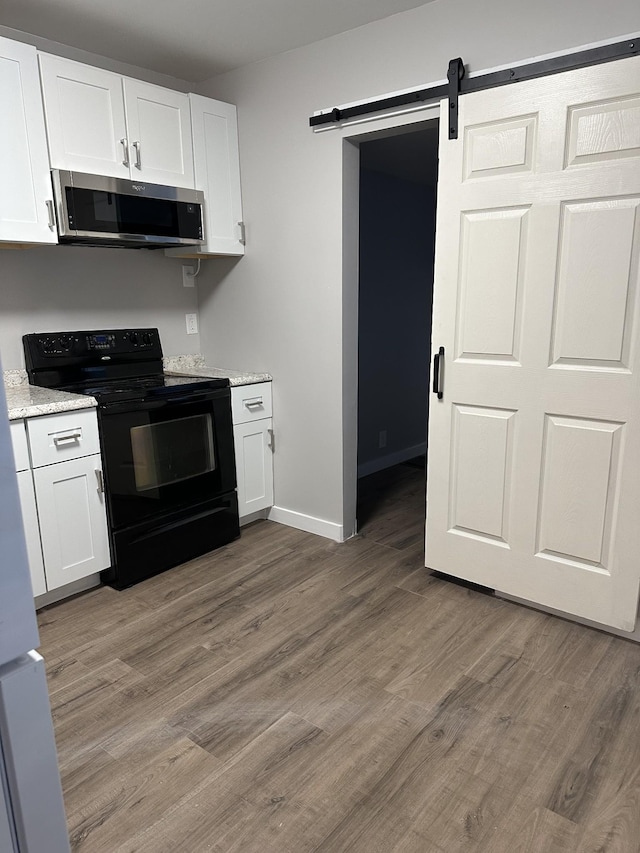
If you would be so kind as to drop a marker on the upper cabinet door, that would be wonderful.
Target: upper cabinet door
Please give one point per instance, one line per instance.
(159, 134)
(217, 172)
(85, 117)
(26, 198)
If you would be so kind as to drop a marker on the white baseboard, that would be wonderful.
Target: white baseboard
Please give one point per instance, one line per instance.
(308, 523)
(375, 465)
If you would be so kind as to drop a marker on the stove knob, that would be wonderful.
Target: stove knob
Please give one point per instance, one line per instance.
(147, 339)
(133, 338)
(66, 342)
(46, 344)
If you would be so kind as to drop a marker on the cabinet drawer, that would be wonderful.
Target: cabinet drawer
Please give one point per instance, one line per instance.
(20, 446)
(56, 438)
(251, 402)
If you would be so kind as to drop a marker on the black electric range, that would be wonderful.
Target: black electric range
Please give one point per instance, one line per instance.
(166, 441)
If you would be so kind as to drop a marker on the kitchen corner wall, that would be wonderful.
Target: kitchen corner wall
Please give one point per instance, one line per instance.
(281, 307)
(72, 287)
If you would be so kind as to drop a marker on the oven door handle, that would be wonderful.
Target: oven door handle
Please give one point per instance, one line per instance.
(161, 401)
(132, 406)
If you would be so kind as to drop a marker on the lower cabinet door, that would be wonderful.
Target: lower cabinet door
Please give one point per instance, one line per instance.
(31, 532)
(254, 465)
(73, 521)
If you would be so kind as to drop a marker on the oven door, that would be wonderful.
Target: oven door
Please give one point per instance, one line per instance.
(164, 454)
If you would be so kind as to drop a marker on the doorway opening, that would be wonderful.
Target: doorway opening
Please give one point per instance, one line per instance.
(397, 205)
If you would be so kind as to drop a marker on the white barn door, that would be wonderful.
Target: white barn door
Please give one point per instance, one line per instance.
(533, 481)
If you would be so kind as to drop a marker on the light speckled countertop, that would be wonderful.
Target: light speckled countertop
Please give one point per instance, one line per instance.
(28, 401)
(193, 365)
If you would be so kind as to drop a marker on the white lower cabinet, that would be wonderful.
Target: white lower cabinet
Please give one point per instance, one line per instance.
(254, 445)
(31, 531)
(61, 497)
(73, 527)
(254, 466)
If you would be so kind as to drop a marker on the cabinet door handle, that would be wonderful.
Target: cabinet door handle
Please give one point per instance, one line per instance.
(125, 145)
(136, 145)
(243, 233)
(66, 439)
(270, 440)
(438, 373)
(100, 479)
(52, 214)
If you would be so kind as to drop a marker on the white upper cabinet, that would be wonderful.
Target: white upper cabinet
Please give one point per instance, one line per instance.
(26, 198)
(159, 134)
(85, 117)
(214, 127)
(101, 123)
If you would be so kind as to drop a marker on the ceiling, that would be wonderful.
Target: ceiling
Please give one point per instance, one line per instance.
(195, 39)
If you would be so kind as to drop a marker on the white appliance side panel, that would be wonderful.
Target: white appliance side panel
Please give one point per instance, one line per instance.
(28, 744)
(18, 627)
(7, 839)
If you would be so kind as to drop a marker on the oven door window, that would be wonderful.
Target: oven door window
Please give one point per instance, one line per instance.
(164, 455)
(172, 451)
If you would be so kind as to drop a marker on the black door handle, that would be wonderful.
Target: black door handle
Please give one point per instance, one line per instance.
(438, 373)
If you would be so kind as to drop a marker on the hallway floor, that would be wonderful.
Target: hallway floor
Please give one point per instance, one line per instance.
(286, 694)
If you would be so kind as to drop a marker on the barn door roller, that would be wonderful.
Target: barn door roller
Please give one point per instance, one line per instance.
(454, 75)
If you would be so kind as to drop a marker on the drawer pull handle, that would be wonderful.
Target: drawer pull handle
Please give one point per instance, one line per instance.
(254, 404)
(66, 439)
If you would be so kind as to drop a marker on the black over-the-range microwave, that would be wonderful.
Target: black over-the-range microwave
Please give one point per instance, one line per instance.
(96, 210)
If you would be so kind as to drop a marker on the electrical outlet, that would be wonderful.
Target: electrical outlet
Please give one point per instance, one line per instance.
(188, 275)
(382, 438)
(192, 323)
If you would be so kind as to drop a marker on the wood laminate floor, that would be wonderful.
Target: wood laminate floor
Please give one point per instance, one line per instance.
(287, 694)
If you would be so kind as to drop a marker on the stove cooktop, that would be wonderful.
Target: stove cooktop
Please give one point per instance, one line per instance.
(135, 388)
(108, 364)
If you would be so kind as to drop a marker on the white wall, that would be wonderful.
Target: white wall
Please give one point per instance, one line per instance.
(281, 308)
(59, 288)
(70, 287)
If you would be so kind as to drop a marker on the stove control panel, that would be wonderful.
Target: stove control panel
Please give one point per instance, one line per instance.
(73, 345)
(101, 342)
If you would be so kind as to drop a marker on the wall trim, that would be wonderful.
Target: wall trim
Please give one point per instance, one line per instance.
(382, 462)
(308, 523)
